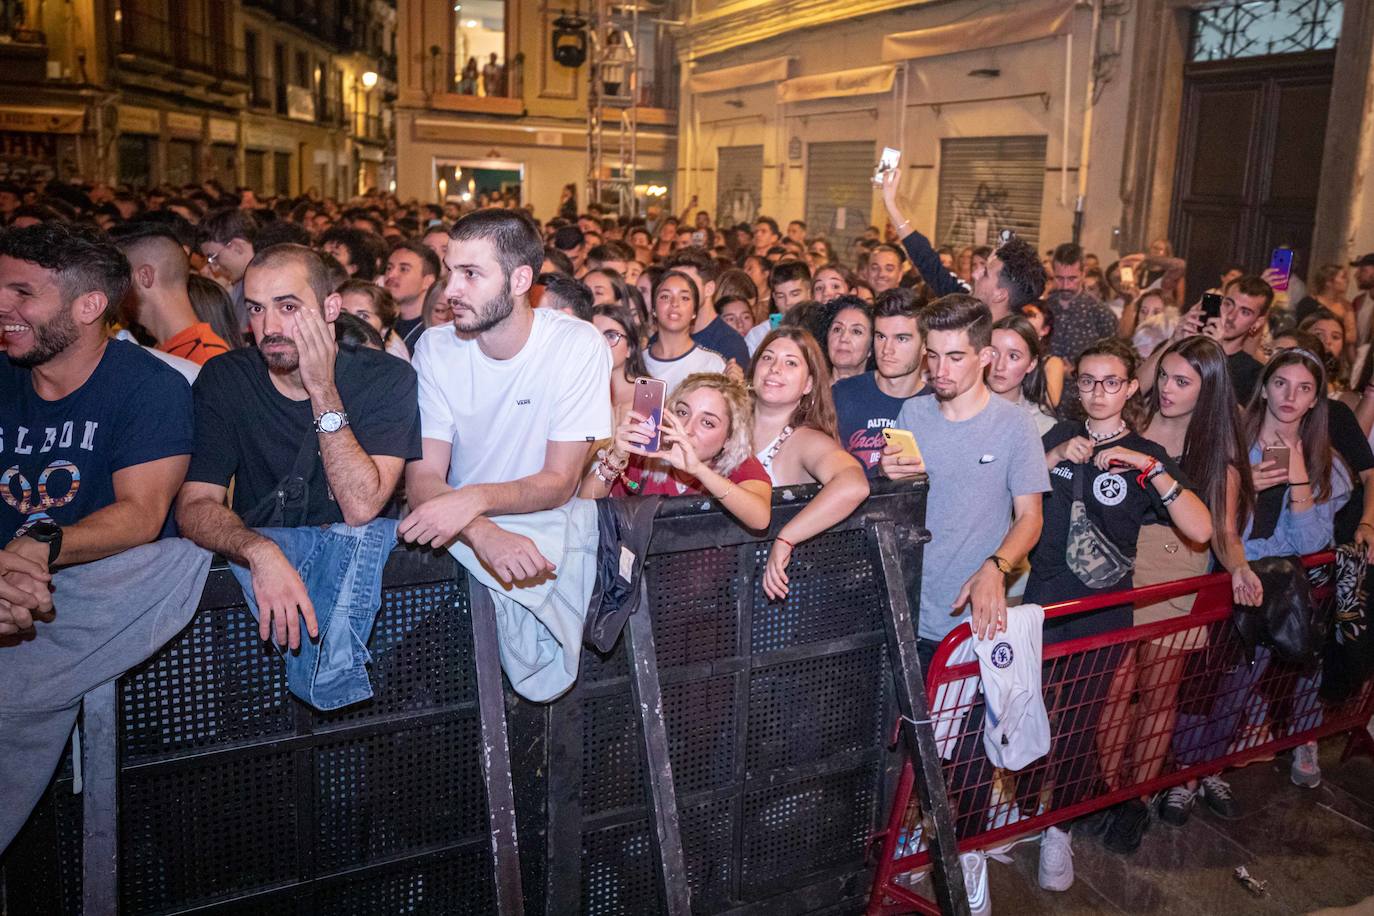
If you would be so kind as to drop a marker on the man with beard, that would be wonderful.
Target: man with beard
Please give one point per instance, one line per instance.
(95, 436)
(311, 434)
(510, 398)
(1080, 318)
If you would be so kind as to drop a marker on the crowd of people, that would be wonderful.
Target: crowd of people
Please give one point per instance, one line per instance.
(196, 365)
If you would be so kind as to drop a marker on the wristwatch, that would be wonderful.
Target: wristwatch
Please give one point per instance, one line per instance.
(47, 532)
(331, 421)
(1002, 565)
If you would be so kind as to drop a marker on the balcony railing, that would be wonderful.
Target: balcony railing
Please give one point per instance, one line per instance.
(368, 126)
(473, 77)
(155, 38)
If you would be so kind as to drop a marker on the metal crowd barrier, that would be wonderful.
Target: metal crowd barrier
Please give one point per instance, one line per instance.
(729, 756)
(1227, 713)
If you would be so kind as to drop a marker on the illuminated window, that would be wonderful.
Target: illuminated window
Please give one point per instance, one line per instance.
(478, 64)
(1257, 28)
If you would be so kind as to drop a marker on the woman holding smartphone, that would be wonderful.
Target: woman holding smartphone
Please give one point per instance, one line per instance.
(704, 448)
(1121, 480)
(794, 440)
(1192, 416)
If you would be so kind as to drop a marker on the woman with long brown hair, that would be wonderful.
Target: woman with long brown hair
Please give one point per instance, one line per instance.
(794, 439)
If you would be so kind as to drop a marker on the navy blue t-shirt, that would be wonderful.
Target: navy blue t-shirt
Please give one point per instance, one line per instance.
(862, 412)
(59, 457)
(725, 340)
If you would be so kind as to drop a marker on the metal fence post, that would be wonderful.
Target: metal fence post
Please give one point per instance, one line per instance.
(99, 802)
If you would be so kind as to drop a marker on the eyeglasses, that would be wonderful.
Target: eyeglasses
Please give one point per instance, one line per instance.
(1111, 384)
(613, 338)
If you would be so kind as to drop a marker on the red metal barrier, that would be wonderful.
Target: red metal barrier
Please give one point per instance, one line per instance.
(1131, 712)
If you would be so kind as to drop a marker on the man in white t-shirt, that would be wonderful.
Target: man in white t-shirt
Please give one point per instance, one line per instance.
(510, 399)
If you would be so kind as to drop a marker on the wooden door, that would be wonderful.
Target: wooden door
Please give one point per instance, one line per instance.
(1249, 163)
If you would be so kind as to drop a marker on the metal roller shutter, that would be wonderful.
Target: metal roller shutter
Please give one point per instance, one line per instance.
(739, 184)
(839, 191)
(997, 179)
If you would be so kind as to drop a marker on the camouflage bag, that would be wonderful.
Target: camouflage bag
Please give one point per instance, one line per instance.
(1094, 559)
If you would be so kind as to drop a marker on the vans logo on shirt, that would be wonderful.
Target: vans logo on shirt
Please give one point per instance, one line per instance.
(523, 402)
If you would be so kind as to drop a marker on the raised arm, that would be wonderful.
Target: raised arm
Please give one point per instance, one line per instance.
(918, 247)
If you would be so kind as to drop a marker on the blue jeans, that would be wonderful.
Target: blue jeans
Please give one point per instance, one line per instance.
(341, 567)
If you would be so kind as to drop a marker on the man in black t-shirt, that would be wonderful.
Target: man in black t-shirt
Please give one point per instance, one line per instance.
(1244, 305)
(296, 406)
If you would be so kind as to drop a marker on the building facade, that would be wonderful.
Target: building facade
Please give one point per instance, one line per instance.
(266, 94)
(1225, 126)
(485, 106)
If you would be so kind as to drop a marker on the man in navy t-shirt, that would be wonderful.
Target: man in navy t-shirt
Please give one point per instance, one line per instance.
(867, 404)
(95, 434)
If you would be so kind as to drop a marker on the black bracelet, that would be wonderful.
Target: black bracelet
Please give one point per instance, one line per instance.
(1300, 483)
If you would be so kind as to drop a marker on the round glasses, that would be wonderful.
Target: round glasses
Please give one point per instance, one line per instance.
(613, 337)
(1111, 384)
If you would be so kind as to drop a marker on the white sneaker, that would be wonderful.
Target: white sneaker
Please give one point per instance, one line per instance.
(975, 866)
(1056, 860)
(1306, 771)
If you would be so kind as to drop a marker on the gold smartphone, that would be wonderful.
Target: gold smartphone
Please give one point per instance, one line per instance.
(904, 439)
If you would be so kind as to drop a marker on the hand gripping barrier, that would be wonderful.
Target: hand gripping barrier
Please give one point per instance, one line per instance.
(729, 756)
(1132, 712)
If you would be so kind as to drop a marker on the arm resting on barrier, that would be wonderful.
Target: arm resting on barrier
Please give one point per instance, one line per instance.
(844, 487)
(986, 589)
(282, 599)
(1246, 587)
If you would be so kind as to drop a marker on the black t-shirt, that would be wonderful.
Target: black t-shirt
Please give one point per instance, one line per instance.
(409, 330)
(60, 457)
(1116, 503)
(1245, 375)
(1349, 441)
(249, 431)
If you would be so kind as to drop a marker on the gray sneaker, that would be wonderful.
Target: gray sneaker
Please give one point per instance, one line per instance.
(1216, 795)
(1175, 805)
(1305, 771)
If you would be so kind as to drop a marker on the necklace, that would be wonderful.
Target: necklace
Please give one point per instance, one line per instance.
(1103, 437)
(766, 459)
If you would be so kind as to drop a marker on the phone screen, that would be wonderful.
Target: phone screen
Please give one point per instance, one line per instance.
(1211, 306)
(886, 163)
(1128, 275)
(1282, 261)
(649, 394)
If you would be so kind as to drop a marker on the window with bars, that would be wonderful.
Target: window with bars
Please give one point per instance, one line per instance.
(1258, 28)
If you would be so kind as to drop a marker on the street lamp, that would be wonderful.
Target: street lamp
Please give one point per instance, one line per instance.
(369, 79)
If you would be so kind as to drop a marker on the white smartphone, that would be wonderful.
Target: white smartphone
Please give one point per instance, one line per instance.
(886, 163)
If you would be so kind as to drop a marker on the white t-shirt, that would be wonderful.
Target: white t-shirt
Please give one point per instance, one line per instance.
(673, 371)
(756, 335)
(500, 414)
(188, 369)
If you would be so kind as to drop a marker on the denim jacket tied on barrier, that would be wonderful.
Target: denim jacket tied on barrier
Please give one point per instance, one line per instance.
(341, 567)
(539, 624)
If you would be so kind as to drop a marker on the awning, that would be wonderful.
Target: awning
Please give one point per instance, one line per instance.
(42, 120)
(838, 84)
(773, 70)
(1010, 25)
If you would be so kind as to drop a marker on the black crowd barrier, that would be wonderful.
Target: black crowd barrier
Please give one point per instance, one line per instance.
(730, 751)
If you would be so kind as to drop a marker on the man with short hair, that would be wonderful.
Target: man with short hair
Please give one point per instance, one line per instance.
(95, 434)
(1011, 277)
(884, 268)
(227, 242)
(766, 235)
(310, 434)
(987, 475)
(614, 255)
(1363, 303)
(566, 295)
(411, 269)
(159, 298)
(868, 403)
(436, 240)
(1244, 306)
(796, 231)
(709, 329)
(510, 398)
(789, 285)
(1080, 318)
(572, 242)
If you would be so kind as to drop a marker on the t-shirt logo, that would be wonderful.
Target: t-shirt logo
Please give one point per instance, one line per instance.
(1110, 489)
(1002, 655)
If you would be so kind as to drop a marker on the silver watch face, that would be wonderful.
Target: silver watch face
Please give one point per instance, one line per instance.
(331, 421)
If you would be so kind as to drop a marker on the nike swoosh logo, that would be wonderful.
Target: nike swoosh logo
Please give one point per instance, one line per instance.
(987, 459)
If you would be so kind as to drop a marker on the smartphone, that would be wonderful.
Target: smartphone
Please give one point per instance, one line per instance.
(1277, 453)
(886, 163)
(1211, 306)
(1127, 275)
(905, 439)
(649, 394)
(1282, 261)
